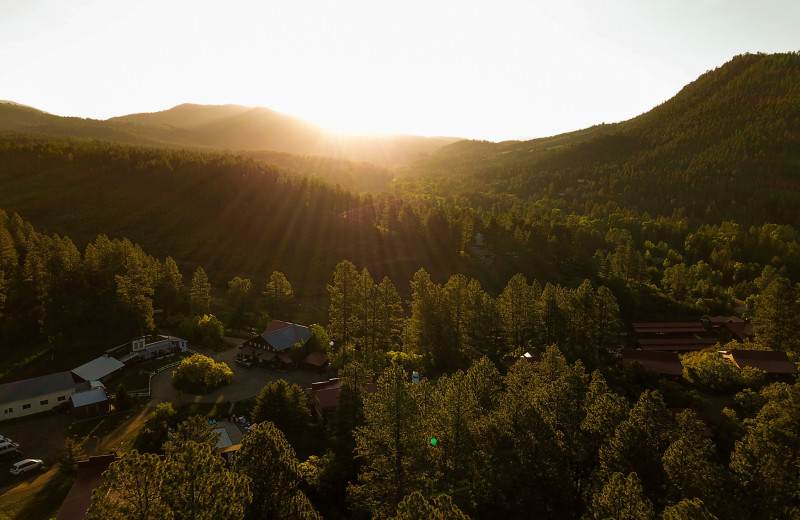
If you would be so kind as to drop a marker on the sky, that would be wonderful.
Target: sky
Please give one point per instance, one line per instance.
(494, 70)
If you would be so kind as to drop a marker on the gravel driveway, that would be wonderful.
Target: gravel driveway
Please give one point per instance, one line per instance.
(247, 382)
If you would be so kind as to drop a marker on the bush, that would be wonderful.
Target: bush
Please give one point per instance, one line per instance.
(122, 400)
(708, 370)
(205, 330)
(201, 374)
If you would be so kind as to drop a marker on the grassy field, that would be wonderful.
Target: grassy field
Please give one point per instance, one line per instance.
(39, 496)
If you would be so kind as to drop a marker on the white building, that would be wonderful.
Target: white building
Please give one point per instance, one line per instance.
(148, 347)
(99, 369)
(38, 394)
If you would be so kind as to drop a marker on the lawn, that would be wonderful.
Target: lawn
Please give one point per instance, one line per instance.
(38, 496)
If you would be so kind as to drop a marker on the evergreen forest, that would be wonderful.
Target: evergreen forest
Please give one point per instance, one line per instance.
(504, 275)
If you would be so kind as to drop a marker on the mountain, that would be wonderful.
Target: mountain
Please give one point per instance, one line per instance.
(225, 127)
(726, 147)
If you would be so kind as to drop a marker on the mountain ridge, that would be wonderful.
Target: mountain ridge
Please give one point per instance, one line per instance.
(225, 127)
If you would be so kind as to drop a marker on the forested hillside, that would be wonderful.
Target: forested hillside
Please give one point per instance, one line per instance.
(225, 127)
(724, 148)
(502, 274)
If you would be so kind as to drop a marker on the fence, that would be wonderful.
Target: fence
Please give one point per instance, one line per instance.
(156, 371)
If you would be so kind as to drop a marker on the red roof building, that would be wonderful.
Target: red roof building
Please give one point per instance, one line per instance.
(770, 361)
(89, 477)
(316, 359)
(275, 342)
(683, 327)
(662, 363)
(675, 344)
(324, 397)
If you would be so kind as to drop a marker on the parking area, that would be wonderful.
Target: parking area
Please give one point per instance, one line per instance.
(40, 437)
(247, 382)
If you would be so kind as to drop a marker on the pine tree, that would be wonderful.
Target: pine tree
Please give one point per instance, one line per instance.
(200, 293)
(622, 499)
(279, 295)
(392, 445)
(269, 460)
(132, 488)
(343, 311)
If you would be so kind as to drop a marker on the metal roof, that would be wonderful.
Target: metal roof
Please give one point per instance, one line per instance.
(285, 337)
(666, 363)
(36, 386)
(770, 361)
(98, 368)
(92, 396)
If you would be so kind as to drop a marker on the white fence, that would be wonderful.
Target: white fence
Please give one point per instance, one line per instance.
(156, 371)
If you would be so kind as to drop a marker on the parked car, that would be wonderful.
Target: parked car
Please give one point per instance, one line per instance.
(25, 465)
(11, 447)
(244, 362)
(5, 442)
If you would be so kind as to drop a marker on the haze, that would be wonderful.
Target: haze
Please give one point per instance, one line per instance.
(505, 70)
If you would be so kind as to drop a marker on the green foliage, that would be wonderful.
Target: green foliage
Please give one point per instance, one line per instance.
(191, 483)
(393, 446)
(319, 340)
(765, 461)
(195, 428)
(711, 372)
(122, 400)
(200, 292)
(688, 509)
(197, 485)
(240, 301)
(279, 295)
(205, 330)
(154, 432)
(269, 460)
(70, 455)
(132, 488)
(284, 405)
(201, 374)
(415, 506)
(776, 315)
(622, 499)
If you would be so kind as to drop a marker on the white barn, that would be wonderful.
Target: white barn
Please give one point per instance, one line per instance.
(99, 369)
(38, 394)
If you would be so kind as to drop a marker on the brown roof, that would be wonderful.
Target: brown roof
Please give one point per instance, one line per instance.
(665, 363)
(327, 392)
(89, 477)
(770, 361)
(284, 357)
(316, 358)
(741, 330)
(328, 397)
(668, 327)
(682, 344)
(719, 320)
(276, 325)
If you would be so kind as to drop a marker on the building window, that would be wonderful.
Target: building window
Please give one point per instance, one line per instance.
(43, 402)
(8, 410)
(62, 398)
(25, 406)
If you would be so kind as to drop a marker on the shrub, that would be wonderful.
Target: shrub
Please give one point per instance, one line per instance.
(205, 330)
(711, 372)
(201, 374)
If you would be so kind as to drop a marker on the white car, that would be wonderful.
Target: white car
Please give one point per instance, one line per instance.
(7, 449)
(26, 465)
(5, 441)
